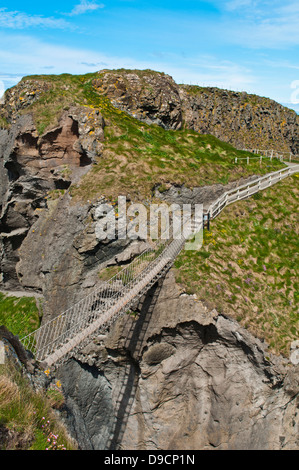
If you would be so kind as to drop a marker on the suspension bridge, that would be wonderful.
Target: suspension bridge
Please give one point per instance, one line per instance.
(55, 341)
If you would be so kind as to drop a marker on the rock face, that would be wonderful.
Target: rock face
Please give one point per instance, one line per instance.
(204, 195)
(179, 377)
(31, 167)
(243, 120)
(61, 256)
(240, 119)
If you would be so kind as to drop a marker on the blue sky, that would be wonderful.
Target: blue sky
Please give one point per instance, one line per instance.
(242, 45)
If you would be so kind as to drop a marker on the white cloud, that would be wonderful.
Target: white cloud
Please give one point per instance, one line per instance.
(33, 56)
(20, 20)
(85, 6)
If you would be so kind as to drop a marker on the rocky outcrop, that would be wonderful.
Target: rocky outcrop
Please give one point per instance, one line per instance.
(171, 374)
(177, 376)
(20, 97)
(61, 255)
(205, 195)
(32, 167)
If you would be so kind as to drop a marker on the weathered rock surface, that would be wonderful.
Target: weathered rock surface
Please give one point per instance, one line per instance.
(20, 97)
(204, 195)
(180, 377)
(33, 166)
(240, 119)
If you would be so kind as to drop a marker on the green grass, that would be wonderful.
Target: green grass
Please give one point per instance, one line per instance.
(248, 265)
(228, 105)
(65, 91)
(20, 315)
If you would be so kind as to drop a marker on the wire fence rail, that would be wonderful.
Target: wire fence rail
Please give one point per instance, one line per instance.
(55, 340)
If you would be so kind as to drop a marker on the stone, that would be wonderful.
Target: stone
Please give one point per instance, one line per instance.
(294, 352)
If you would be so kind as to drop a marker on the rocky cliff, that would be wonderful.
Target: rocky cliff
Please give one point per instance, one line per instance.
(244, 120)
(173, 375)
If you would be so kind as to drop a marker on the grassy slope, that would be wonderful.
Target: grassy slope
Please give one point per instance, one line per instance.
(138, 157)
(258, 286)
(248, 265)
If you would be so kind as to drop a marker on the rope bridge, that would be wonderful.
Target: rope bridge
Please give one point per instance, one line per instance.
(53, 342)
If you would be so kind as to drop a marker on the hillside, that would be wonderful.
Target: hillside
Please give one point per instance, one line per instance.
(241, 118)
(171, 372)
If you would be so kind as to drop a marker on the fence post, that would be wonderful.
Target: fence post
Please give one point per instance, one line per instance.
(247, 160)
